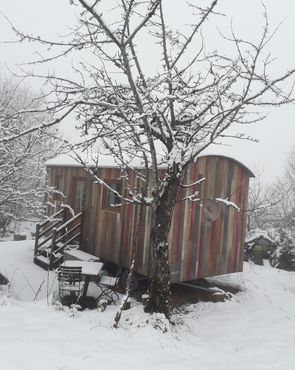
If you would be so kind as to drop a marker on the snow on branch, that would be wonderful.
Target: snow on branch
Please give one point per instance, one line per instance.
(193, 184)
(228, 203)
(193, 197)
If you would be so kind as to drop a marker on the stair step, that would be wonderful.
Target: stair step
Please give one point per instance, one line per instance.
(42, 261)
(46, 252)
(50, 233)
(57, 256)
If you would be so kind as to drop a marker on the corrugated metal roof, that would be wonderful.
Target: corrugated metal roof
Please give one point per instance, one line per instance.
(251, 174)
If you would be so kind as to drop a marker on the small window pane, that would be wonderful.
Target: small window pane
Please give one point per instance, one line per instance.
(111, 201)
(79, 194)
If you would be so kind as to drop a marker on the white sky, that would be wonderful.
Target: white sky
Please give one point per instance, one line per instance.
(276, 133)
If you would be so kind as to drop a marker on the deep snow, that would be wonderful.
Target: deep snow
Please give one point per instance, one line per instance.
(254, 330)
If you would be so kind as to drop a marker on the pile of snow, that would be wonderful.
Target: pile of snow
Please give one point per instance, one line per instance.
(253, 330)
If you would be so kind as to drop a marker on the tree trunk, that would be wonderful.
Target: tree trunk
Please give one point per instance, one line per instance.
(159, 295)
(131, 271)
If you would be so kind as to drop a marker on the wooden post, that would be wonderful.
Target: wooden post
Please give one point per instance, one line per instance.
(65, 219)
(36, 239)
(65, 214)
(81, 228)
(52, 249)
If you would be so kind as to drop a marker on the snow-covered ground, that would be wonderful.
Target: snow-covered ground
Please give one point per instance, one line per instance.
(254, 330)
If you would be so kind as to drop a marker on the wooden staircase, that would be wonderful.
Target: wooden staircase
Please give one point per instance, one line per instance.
(53, 235)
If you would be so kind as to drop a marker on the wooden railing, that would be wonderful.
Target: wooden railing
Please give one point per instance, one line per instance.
(45, 229)
(64, 235)
(59, 231)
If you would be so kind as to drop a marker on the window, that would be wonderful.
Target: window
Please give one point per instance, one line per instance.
(79, 195)
(110, 200)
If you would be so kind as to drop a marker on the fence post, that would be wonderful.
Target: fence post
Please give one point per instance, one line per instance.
(36, 239)
(52, 249)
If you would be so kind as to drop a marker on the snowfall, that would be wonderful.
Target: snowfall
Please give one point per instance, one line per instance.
(254, 329)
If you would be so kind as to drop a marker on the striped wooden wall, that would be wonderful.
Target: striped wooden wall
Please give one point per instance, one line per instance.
(65, 179)
(200, 247)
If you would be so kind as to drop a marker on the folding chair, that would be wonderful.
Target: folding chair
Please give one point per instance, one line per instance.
(70, 281)
(107, 285)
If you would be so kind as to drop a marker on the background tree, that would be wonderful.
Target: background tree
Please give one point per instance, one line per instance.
(22, 170)
(161, 117)
(264, 200)
(285, 210)
(273, 205)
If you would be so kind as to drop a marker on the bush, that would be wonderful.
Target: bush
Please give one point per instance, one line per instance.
(284, 256)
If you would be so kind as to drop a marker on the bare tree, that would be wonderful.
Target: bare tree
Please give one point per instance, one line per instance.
(162, 120)
(273, 206)
(22, 170)
(262, 203)
(285, 187)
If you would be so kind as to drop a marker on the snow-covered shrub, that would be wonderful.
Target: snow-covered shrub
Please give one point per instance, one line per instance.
(284, 256)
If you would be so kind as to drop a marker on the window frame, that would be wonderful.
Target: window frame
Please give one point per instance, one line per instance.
(106, 193)
(76, 181)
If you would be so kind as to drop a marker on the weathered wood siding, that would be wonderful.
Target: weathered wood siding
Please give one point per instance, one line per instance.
(65, 178)
(200, 247)
(109, 233)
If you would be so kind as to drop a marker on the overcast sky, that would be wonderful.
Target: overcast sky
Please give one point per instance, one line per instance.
(276, 133)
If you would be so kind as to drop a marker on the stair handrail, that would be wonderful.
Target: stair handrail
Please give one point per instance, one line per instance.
(63, 226)
(57, 235)
(52, 217)
(56, 231)
(68, 232)
(59, 249)
(41, 233)
(58, 221)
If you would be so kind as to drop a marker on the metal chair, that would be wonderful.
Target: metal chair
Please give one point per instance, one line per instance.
(107, 285)
(70, 281)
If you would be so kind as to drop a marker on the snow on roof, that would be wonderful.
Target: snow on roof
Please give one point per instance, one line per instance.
(104, 161)
(256, 235)
(67, 160)
(230, 158)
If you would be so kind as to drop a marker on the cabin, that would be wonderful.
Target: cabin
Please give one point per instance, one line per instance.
(259, 246)
(207, 237)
